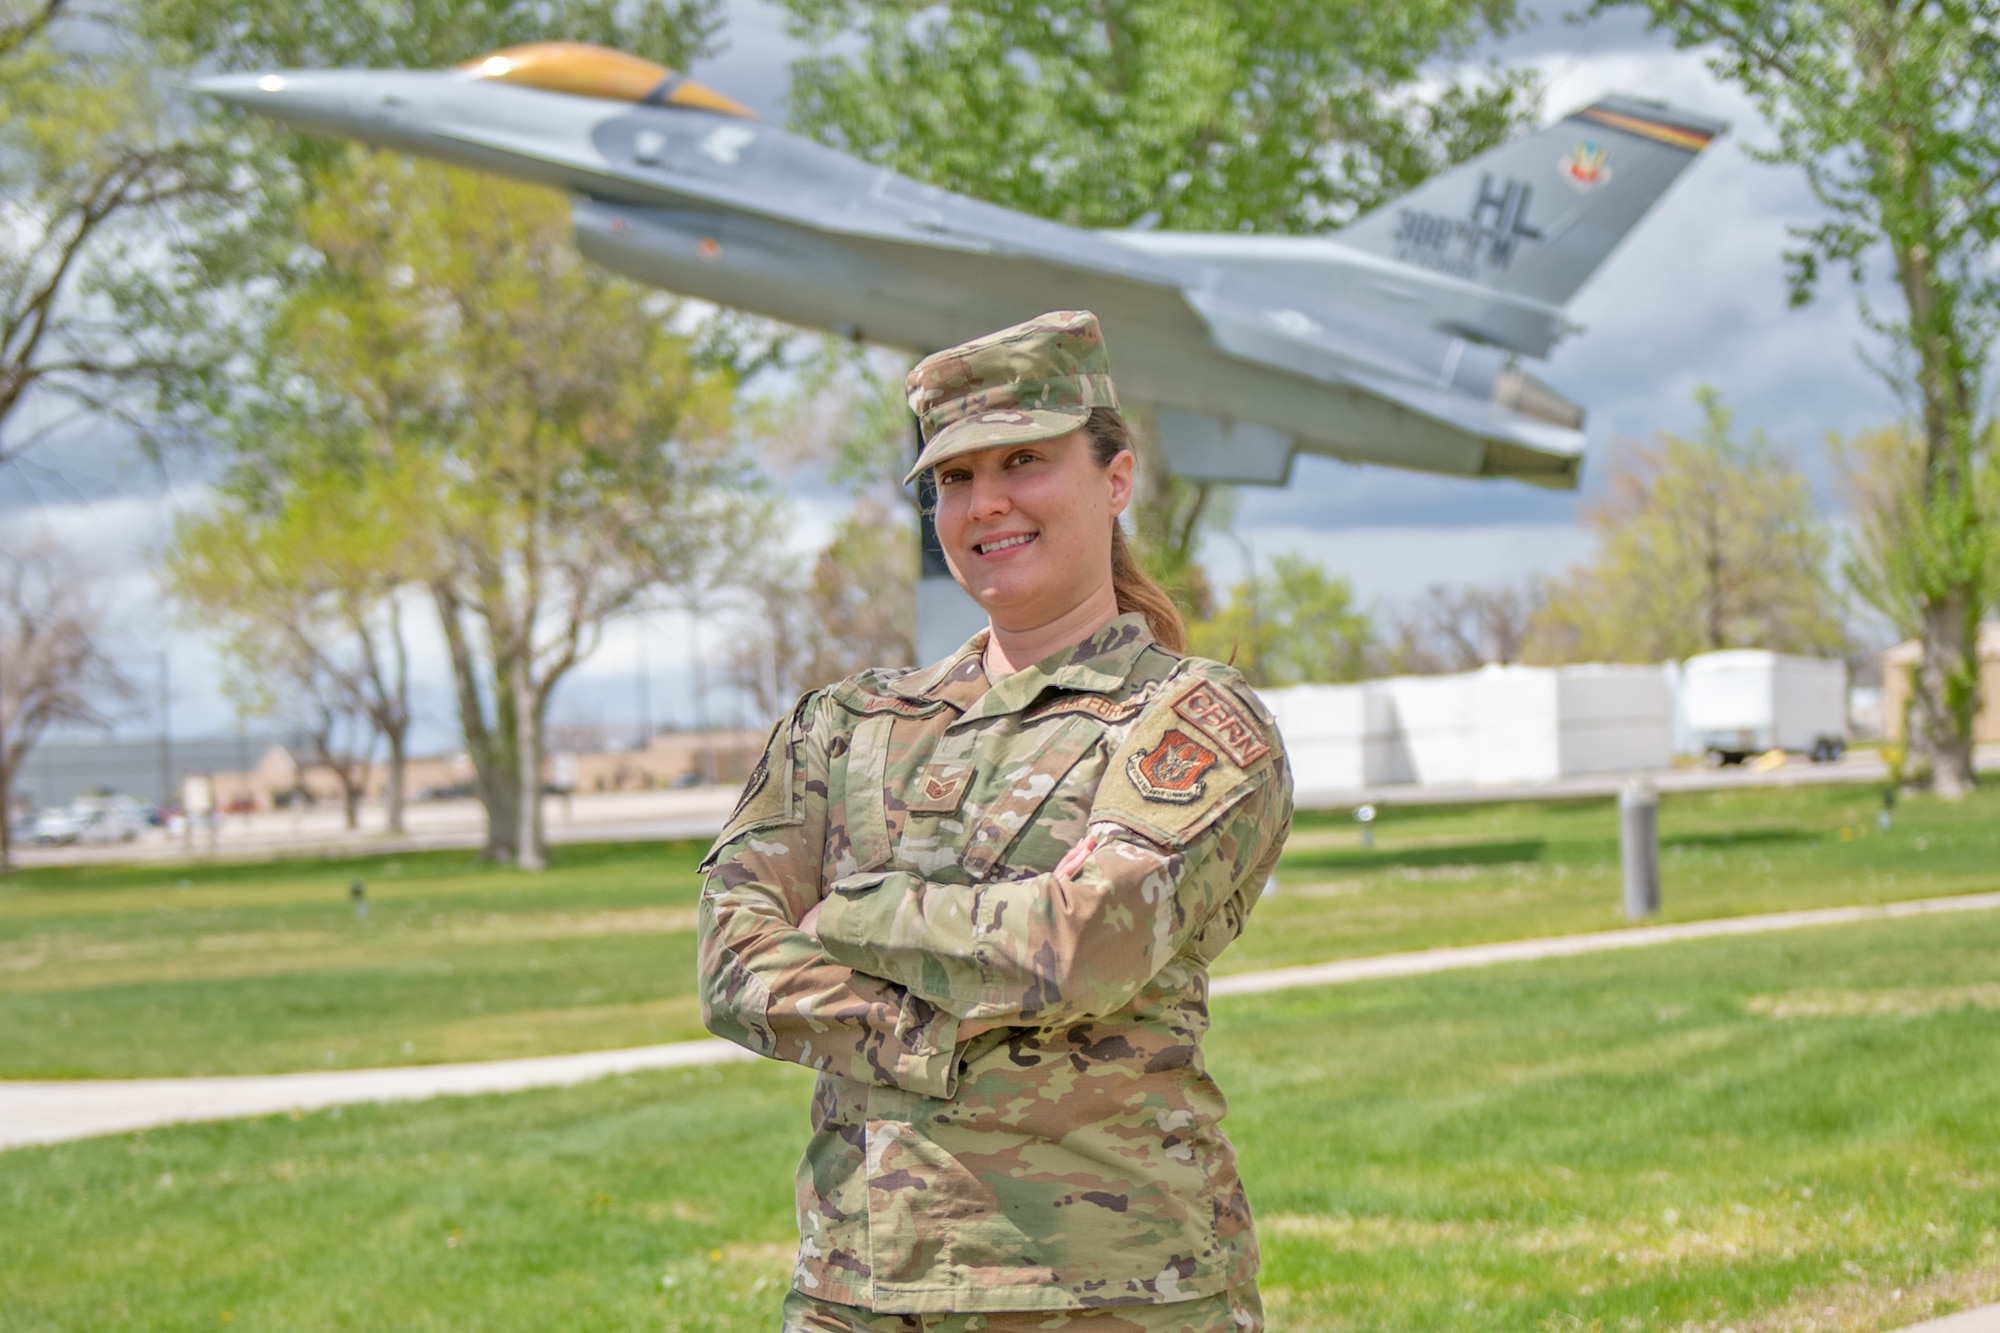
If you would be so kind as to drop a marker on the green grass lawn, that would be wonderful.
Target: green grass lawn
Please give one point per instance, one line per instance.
(1776, 1132)
(120, 971)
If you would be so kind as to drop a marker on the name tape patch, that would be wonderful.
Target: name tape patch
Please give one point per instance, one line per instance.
(896, 703)
(1222, 721)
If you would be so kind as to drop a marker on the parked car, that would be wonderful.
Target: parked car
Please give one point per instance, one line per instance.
(91, 820)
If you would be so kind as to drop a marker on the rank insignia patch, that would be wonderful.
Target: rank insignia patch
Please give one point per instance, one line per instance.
(1172, 770)
(939, 788)
(1216, 716)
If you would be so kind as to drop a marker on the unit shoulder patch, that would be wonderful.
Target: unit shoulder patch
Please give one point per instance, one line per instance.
(1172, 770)
(1218, 718)
(767, 799)
(753, 787)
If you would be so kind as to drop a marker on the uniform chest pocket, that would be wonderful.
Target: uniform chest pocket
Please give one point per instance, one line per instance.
(1011, 794)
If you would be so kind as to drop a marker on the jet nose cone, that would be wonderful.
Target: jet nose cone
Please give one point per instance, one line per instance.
(357, 103)
(240, 89)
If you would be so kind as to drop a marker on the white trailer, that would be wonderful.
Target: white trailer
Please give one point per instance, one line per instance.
(1747, 701)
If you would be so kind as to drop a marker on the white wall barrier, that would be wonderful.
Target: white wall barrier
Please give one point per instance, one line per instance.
(1493, 727)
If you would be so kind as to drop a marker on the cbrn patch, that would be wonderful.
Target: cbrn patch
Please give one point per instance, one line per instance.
(1218, 718)
(1172, 770)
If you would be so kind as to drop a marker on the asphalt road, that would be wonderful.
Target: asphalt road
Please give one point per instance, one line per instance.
(699, 813)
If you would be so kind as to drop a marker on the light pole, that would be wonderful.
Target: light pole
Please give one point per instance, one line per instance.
(166, 728)
(645, 690)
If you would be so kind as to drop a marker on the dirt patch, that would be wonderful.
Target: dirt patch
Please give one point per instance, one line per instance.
(1903, 1002)
(512, 1035)
(1872, 1306)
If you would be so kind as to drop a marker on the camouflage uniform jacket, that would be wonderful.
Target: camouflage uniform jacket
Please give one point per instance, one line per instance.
(1070, 1157)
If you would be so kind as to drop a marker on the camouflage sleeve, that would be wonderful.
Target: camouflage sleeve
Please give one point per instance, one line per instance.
(765, 984)
(1187, 825)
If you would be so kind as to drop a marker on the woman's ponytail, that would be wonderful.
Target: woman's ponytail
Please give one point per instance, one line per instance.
(1135, 589)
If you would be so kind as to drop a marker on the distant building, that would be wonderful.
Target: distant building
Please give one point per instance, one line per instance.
(1900, 661)
(267, 771)
(670, 759)
(57, 773)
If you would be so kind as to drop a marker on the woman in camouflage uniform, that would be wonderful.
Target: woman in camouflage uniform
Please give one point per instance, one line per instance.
(981, 898)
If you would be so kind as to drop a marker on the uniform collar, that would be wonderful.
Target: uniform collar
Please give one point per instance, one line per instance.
(1099, 664)
(958, 680)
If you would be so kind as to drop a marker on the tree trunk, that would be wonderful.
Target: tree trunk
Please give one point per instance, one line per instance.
(395, 719)
(7, 755)
(1945, 694)
(392, 787)
(6, 807)
(494, 777)
(1152, 483)
(528, 852)
(1946, 681)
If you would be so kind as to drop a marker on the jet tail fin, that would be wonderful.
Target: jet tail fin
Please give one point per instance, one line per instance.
(1535, 217)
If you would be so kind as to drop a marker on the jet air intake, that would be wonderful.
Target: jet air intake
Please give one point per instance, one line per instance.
(583, 70)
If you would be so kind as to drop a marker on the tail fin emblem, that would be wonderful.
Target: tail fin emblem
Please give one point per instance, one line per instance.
(1586, 166)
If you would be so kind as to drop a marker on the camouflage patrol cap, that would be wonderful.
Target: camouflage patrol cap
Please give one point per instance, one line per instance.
(1033, 381)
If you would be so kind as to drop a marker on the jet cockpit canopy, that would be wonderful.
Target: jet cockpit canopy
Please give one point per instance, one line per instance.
(583, 70)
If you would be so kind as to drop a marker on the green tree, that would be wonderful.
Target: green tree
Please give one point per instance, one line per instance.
(1881, 472)
(1893, 112)
(1293, 624)
(1462, 628)
(54, 670)
(305, 584)
(1264, 115)
(96, 166)
(562, 454)
(250, 34)
(852, 606)
(1704, 543)
(1267, 115)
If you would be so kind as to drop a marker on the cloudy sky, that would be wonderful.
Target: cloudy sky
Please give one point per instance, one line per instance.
(1695, 296)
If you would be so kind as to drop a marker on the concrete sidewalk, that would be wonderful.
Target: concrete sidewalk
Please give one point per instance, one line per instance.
(53, 1112)
(1984, 1320)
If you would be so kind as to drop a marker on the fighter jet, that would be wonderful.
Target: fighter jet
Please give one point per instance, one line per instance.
(1395, 340)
